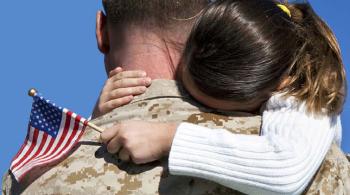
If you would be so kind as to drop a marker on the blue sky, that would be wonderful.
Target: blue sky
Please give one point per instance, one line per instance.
(50, 45)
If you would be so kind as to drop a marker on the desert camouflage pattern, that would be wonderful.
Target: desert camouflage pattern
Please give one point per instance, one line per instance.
(334, 175)
(90, 169)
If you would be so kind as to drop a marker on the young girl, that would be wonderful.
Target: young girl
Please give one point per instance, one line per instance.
(250, 55)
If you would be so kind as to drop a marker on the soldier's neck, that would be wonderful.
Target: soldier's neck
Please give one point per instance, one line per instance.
(146, 50)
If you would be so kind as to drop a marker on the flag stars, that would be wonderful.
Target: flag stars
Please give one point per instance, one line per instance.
(45, 116)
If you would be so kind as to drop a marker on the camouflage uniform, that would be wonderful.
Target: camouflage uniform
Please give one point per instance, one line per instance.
(333, 176)
(91, 170)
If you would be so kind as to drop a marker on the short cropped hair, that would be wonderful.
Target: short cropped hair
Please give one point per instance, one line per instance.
(152, 12)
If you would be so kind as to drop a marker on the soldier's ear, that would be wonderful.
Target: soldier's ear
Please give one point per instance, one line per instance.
(102, 33)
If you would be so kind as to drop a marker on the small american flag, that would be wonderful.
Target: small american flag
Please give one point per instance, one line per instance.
(53, 131)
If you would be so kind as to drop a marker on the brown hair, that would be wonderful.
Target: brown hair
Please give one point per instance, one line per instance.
(242, 50)
(318, 74)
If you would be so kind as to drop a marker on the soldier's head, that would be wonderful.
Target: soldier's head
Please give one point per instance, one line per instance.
(156, 24)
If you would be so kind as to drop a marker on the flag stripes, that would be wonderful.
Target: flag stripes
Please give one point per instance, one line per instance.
(41, 146)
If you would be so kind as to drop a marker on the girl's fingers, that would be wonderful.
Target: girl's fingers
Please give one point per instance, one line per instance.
(111, 99)
(108, 134)
(114, 145)
(130, 91)
(125, 83)
(129, 74)
(115, 103)
(115, 71)
(124, 155)
(132, 82)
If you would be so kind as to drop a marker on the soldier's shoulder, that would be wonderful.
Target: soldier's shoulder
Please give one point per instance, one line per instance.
(8, 184)
(3, 183)
(333, 176)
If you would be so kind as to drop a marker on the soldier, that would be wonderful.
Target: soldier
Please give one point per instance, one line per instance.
(150, 39)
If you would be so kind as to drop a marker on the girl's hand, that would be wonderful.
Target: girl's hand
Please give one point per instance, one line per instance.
(141, 142)
(120, 89)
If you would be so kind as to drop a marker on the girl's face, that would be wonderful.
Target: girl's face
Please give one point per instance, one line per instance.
(213, 102)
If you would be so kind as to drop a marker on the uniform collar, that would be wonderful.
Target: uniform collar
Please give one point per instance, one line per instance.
(163, 89)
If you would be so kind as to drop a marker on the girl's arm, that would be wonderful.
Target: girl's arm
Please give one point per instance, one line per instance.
(282, 160)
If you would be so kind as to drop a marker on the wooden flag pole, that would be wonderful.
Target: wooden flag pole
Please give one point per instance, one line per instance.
(32, 92)
(94, 127)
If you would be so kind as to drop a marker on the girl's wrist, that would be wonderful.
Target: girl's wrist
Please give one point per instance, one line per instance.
(171, 129)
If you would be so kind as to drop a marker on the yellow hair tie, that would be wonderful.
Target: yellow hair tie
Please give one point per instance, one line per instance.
(285, 9)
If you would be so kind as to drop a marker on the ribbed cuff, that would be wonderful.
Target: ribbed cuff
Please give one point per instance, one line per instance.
(187, 136)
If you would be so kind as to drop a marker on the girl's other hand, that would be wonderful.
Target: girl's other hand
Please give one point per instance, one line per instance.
(120, 89)
(139, 141)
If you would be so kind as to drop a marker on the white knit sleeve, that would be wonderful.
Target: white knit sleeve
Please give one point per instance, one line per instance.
(282, 160)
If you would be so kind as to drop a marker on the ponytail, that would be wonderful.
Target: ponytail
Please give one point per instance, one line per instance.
(317, 75)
